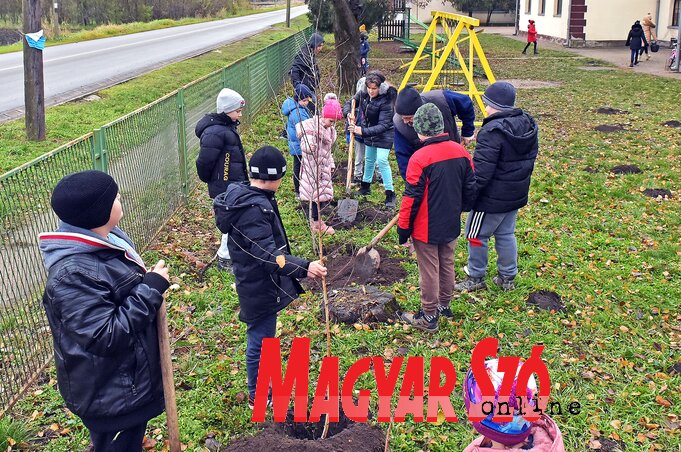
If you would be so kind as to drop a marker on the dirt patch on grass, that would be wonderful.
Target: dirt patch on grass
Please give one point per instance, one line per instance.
(590, 169)
(367, 215)
(531, 84)
(9, 36)
(672, 123)
(626, 169)
(305, 437)
(610, 128)
(658, 192)
(364, 304)
(546, 300)
(610, 445)
(611, 111)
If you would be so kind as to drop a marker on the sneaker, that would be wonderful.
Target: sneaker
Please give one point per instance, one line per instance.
(365, 189)
(224, 264)
(444, 311)
(356, 180)
(536, 53)
(504, 282)
(390, 199)
(471, 284)
(421, 321)
(251, 401)
(283, 134)
(465, 270)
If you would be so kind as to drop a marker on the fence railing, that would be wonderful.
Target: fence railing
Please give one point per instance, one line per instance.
(150, 153)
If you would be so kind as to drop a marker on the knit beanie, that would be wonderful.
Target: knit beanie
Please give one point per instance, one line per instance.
(302, 92)
(500, 95)
(362, 28)
(267, 163)
(229, 100)
(315, 40)
(408, 101)
(428, 120)
(85, 199)
(332, 110)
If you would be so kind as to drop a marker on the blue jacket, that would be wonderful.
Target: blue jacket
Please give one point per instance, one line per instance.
(364, 48)
(295, 114)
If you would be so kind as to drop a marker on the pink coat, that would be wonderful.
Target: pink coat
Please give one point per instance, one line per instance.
(547, 438)
(317, 167)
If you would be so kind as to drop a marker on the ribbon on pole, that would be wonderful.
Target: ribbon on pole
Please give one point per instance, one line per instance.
(36, 40)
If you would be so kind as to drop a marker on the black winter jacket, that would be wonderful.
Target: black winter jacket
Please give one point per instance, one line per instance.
(221, 160)
(101, 306)
(636, 38)
(507, 146)
(376, 118)
(305, 70)
(256, 238)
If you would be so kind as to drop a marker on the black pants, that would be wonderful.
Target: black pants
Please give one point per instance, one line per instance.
(297, 164)
(315, 212)
(129, 440)
(528, 44)
(643, 49)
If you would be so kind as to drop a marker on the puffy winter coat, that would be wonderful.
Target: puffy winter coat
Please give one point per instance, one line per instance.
(221, 159)
(636, 39)
(440, 185)
(304, 68)
(316, 142)
(648, 27)
(295, 113)
(507, 146)
(101, 305)
(256, 238)
(450, 104)
(531, 33)
(545, 436)
(364, 47)
(377, 116)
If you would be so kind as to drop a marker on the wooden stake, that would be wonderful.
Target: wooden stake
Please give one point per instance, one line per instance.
(168, 381)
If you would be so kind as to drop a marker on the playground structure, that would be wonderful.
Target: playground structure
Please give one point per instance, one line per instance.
(447, 59)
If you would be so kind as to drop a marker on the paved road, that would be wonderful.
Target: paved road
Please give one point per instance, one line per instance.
(73, 70)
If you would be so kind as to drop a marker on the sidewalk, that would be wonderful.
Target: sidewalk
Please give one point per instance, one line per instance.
(619, 56)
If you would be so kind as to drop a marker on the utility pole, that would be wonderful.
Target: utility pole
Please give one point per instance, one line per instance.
(55, 19)
(678, 44)
(34, 87)
(288, 13)
(517, 17)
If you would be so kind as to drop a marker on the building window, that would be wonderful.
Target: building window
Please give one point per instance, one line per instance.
(528, 6)
(675, 13)
(542, 7)
(558, 10)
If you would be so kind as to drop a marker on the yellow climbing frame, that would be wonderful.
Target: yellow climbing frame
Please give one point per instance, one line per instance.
(453, 26)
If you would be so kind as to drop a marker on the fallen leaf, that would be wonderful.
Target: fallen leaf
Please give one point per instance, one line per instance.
(664, 402)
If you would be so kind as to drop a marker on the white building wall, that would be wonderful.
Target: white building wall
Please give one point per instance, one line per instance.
(548, 24)
(612, 20)
(664, 28)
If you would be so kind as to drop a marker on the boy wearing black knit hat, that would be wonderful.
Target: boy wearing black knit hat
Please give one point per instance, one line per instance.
(101, 304)
(265, 271)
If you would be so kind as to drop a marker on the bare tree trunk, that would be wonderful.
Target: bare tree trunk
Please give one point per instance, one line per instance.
(346, 34)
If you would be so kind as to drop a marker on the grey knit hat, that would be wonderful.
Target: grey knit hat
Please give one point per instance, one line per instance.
(500, 95)
(428, 120)
(229, 100)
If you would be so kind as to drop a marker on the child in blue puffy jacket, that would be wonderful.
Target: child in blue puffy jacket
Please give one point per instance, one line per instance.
(295, 109)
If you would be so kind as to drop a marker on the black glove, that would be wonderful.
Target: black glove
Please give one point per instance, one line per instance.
(404, 235)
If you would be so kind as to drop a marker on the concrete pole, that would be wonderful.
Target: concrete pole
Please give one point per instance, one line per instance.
(55, 20)
(678, 43)
(517, 17)
(34, 86)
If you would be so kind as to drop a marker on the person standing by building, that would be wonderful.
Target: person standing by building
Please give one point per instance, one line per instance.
(636, 41)
(649, 31)
(531, 37)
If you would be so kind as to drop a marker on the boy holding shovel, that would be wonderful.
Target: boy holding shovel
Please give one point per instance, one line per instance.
(440, 184)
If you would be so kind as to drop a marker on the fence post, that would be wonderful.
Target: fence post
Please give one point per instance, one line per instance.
(224, 76)
(182, 143)
(100, 160)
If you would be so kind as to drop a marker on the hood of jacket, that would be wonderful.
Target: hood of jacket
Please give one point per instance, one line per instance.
(637, 28)
(69, 240)
(213, 119)
(289, 106)
(231, 204)
(385, 88)
(520, 128)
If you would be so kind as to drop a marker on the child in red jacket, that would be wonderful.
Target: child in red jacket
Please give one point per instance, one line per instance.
(531, 37)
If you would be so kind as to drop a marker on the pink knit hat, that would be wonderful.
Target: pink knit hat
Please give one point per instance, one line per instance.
(332, 110)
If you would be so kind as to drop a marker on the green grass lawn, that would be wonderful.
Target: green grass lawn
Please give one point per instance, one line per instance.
(593, 237)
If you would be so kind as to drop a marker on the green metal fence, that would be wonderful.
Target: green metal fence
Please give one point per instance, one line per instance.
(151, 153)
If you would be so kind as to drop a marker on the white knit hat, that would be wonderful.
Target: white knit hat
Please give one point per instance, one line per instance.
(229, 100)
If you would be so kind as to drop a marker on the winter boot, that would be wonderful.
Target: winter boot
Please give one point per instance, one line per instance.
(504, 282)
(524, 52)
(390, 199)
(471, 284)
(536, 53)
(421, 321)
(365, 189)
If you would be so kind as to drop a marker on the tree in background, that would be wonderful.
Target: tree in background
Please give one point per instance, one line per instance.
(468, 6)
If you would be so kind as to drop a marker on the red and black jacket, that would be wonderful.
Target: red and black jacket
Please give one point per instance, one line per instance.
(440, 185)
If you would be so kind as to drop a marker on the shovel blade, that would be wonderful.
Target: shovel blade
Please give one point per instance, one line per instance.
(367, 263)
(347, 210)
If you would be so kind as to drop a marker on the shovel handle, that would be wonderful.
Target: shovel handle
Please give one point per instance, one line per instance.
(348, 177)
(383, 232)
(168, 382)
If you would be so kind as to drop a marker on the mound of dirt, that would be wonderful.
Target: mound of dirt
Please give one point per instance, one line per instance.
(364, 304)
(672, 123)
(9, 36)
(658, 192)
(344, 435)
(626, 169)
(367, 214)
(546, 300)
(610, 128)
(611, 111)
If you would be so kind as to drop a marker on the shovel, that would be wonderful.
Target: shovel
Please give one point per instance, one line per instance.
(347, 208)
(368, 260)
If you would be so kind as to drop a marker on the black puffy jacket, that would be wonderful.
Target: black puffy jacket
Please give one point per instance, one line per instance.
(376, 118)
(507, 146)
(256, 238)
(101, 306)
(305, 70)
(636, 38)
(221, 159)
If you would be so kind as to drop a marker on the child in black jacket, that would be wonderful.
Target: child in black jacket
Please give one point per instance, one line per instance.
(266, 273)
(222, 160)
